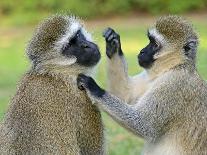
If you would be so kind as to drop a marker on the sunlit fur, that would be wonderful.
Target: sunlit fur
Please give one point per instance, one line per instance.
(52, 36)
(176, 33)
(176, 30)
(168, 100)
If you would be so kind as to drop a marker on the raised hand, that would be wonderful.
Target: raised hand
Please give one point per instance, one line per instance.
(113, 44)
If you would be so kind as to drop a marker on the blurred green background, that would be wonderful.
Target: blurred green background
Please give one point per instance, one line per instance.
(130, 18)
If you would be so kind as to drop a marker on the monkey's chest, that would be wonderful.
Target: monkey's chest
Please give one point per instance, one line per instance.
(88, 123)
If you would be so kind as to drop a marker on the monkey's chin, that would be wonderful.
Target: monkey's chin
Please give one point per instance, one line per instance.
(145, 64)
(94, 59)
(90, 62)
(95, 62)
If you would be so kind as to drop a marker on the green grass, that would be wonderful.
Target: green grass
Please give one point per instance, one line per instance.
(13, 63)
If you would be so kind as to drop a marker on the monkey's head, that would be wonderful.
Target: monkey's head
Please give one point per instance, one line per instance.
(61, 42)
(171, 39)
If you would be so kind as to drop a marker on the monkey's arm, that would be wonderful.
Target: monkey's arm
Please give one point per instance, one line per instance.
(119, 82)
(123, 113)
(147, 118)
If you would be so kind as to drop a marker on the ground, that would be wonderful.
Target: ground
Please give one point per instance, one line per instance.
(13, 64)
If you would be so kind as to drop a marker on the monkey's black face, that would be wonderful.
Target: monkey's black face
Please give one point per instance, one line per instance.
(87, 53)
(146, 55)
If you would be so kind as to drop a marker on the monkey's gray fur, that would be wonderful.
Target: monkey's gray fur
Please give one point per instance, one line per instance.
(49, 115)
(169, 99)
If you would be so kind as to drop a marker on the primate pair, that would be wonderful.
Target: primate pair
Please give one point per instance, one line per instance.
(166, 104)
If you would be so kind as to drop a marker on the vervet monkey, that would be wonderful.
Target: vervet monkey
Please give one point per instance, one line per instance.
(128, 88)
(171, 114)
(49, 115)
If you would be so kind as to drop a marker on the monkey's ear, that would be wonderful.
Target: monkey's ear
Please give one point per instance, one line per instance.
(190, 49)
(191, 45)
(33, 58)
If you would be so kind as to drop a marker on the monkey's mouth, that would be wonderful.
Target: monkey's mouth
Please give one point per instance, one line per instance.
(89, 58)
(94, 60)
(145, 61)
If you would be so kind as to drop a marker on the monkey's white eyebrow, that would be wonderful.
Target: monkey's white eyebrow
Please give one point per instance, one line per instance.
(156, 35)
(70, 38)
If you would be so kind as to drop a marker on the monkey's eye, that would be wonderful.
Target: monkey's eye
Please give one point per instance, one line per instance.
(156, 46)
(151, 39)
(66, 46)
(84, 45)
(69, 44)
(72, 40)
(78, 34)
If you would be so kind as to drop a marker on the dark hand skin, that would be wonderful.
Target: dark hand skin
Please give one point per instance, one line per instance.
(87, 83)
(113, 44)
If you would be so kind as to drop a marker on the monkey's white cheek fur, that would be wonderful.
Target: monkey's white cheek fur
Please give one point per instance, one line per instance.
(71, 30)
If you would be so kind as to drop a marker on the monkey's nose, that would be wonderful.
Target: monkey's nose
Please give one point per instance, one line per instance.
(141, 52)
(85, 45)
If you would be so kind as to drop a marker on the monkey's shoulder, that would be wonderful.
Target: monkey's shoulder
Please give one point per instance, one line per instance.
(48, 95)
(49, 88)
(169, 82)
(181, 84)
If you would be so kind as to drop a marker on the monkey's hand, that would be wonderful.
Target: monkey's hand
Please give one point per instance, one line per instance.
(113, 44)
(87, 83)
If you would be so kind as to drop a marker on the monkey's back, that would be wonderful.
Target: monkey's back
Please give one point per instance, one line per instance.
(50, 116)
(187, 134)
(195, 125)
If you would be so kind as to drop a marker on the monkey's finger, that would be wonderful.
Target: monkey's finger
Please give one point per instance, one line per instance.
(109, 39)
(115, 43)
(109, 53)
(81, 86)
(81, 81)
(81, 76)
(117, 46)
(107, 33)
(113, 36)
